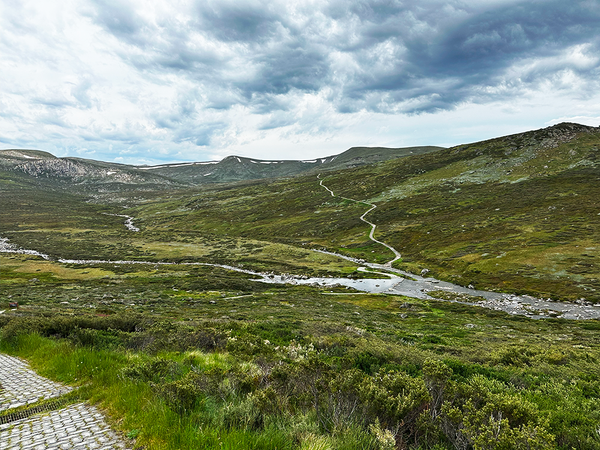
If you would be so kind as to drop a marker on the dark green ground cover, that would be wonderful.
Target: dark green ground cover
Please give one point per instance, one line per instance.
(307, 365)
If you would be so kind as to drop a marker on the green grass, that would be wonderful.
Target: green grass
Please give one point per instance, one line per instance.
(459, 212)
(124, 320)
(516, 214)
(552, 365)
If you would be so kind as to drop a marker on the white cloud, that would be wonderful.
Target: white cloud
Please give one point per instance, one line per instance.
(155, 81)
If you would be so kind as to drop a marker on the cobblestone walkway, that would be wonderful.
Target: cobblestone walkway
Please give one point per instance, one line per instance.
(20, 385)
(77, 426)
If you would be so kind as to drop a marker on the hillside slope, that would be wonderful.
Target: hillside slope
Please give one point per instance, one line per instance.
(239, 168)
(85, 175)
(517, 213)
(78, 175)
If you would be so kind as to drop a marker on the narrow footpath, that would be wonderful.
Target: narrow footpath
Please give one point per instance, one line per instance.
(373, 226)
(50, 425)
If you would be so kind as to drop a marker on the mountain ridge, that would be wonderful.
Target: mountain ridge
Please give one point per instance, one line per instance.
(44, 165)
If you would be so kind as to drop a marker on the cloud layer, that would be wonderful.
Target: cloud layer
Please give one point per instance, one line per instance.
(150, 81)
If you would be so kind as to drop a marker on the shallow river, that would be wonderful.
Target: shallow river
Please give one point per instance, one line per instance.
(398, 283)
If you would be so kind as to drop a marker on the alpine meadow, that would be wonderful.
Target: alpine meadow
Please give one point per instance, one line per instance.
(381, 298)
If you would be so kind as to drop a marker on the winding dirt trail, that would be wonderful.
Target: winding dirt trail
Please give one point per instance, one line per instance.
(399, 283)
(373, 226)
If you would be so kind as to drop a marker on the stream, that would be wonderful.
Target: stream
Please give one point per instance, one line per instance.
(128, 223)
(398, 283)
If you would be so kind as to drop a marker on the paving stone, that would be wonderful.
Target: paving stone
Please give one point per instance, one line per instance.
(77, 426)
(21, 385)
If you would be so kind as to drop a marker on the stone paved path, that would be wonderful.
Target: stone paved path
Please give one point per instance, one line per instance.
(77, 426)
(20, 385)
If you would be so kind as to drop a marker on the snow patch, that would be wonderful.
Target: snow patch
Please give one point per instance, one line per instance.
(166, 166)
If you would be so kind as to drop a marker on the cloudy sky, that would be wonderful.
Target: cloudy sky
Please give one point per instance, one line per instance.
(151, 81)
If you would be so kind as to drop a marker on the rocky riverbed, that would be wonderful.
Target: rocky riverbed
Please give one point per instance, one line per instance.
(397, 283)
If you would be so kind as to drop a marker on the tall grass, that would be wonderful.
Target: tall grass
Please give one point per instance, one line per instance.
(133, 406)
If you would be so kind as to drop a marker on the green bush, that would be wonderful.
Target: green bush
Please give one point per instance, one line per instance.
(155, 370)
(71, 326)
(395, 400)
(487, 414)
(183, 395)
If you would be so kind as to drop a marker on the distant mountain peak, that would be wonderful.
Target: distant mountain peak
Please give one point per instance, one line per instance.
(26, 154)
(551, 136)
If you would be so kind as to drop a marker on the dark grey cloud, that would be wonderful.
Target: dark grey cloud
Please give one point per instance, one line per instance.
(292, 66)
(475, 52)
(268, 104)
(117, 17)
(183, 111)
(495, 39)
(442, 53)
(200, 134)
(250, 22)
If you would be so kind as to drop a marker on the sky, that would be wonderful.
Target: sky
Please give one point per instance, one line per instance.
(153, 81)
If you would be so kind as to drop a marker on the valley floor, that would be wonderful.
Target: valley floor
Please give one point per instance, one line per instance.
(398, 282)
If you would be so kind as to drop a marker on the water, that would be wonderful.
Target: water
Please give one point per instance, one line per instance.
(397, 283)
